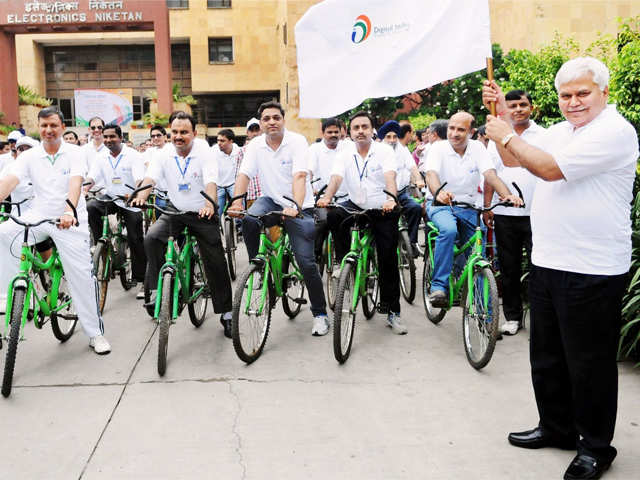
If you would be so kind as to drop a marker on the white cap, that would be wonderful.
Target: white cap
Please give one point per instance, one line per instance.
(253, 121)
(15, 135)
(26, 140)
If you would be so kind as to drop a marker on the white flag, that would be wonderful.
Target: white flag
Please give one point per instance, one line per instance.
(349, 51)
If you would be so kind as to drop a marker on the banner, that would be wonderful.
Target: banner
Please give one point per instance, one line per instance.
(112, 105)
(351, 51)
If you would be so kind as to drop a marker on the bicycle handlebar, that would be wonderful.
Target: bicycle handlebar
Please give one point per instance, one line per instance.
(456, 203)
(53, 221)
(16, 204)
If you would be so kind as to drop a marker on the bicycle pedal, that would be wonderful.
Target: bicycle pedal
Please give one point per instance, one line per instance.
(299, 301)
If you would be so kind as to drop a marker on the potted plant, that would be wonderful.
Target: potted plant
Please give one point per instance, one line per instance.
(180, 101)
(30, 103)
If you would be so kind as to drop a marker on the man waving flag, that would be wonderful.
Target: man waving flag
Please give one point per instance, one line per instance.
(351, 51)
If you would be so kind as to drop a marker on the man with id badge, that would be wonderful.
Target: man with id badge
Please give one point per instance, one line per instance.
(113, 169)
(367, 168)
(279, 160)
(187, 168)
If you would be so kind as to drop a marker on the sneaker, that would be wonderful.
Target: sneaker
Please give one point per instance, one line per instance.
(225, 320)
(3, 306)
(415, 250)
(320, 326)
(510, 327)
(100, 345)
(140, 294)
(396, 325)
(438, 299)
(336, 273)
(152, 299)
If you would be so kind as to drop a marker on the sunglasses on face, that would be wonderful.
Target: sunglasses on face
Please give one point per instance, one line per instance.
(22, 148)
(96, 127)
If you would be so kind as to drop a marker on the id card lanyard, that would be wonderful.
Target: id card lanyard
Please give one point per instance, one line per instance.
(184, 186)
(116, 178)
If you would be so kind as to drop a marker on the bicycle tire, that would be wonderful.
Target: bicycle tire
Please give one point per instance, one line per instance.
(151, 309)
(247, 352)
(230, 246)
(344, 317)
(164, 321)
(124, 264)
(435, 315)
(101, 272)
(372, 295)
(486, 322)
(14, 337)
(332, 264)
(63, 323)
(407, 267)
(290, 307)
(198, 309)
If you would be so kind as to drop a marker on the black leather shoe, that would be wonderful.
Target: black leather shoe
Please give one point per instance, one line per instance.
(584, 466)
(439, 299)
(536, 438)
(227, 326)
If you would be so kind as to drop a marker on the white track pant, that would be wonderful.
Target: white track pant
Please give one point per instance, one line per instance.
(73, 247)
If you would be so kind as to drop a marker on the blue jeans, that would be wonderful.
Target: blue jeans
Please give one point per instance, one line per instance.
(412, 212)
(450, 223)
(301, 233)
(222, 197)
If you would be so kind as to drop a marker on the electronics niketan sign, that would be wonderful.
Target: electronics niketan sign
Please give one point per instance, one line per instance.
(55, 12)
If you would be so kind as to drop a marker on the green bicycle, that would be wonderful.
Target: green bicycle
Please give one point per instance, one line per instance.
(474, 287)
(230, 234)
(359, 279)
(273, 273)
(50, 300)
(181, 282)
(112, 254)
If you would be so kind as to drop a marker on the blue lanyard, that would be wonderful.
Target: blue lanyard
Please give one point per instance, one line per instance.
(117, 161)
(186, 166)
(362, 172)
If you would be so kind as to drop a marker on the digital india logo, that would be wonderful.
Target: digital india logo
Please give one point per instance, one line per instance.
(361, 29)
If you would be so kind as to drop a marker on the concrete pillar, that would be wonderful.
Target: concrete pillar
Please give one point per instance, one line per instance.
(8, 78)
(162, 43)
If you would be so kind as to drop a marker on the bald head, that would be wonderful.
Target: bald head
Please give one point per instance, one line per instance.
(460, 131)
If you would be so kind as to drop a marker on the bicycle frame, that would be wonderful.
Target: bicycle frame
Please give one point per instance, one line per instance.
(359, 254)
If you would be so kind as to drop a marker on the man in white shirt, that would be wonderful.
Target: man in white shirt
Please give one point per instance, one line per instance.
(406, 172)
(56, 171)
(321, 157)
(459, 162)
(113, 169)
(279, 160)
(365, 169)
(95, 145)
(512, 225)
(580, 221)
(228, 155)
(186, 169)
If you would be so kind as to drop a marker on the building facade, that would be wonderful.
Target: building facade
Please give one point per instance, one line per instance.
(232, 55)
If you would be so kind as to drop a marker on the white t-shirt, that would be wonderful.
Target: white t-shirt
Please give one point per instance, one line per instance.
(227, 164)
(275, 169)
(5, 159)
(183, 177)
(404, 162)
(521, 176)
(582, 224)
(321, 159)
(50, 176)
(91, 152)
(23, 189)
(114, 173)
(462, 174)
(363, 178)
(150, 156)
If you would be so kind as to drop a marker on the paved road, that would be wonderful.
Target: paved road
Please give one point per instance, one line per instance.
(402, 407)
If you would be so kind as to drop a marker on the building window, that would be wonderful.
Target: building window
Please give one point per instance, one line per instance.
(178, 3)
(220, 50)
(230, 110)
(218, 3)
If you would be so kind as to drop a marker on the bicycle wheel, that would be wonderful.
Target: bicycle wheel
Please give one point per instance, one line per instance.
(249, 326)
(333, 272)
(407, 267)
(480, 315)
(63, 322)
(372, 289)
(344, 315)
(124, 264)
(14, 337)
(101, 272)
(230, 246)
(434, 314)
(293, 288)
(198, 309)
(164, 321)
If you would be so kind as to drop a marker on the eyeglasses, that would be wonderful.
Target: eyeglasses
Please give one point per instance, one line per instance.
(156, 135)
(96, 127)
(22, 148)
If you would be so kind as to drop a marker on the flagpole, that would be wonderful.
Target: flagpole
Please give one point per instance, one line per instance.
(492, 105)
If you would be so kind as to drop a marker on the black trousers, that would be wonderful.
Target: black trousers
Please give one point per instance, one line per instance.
(207, 234)
(575, 327)
(385, 232)
(512, 235)
(133, 222)
(322, 230)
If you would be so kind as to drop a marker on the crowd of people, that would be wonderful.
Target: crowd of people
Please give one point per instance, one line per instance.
(572, 221)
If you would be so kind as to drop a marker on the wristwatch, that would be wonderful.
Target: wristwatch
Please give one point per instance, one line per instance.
(507, 139)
